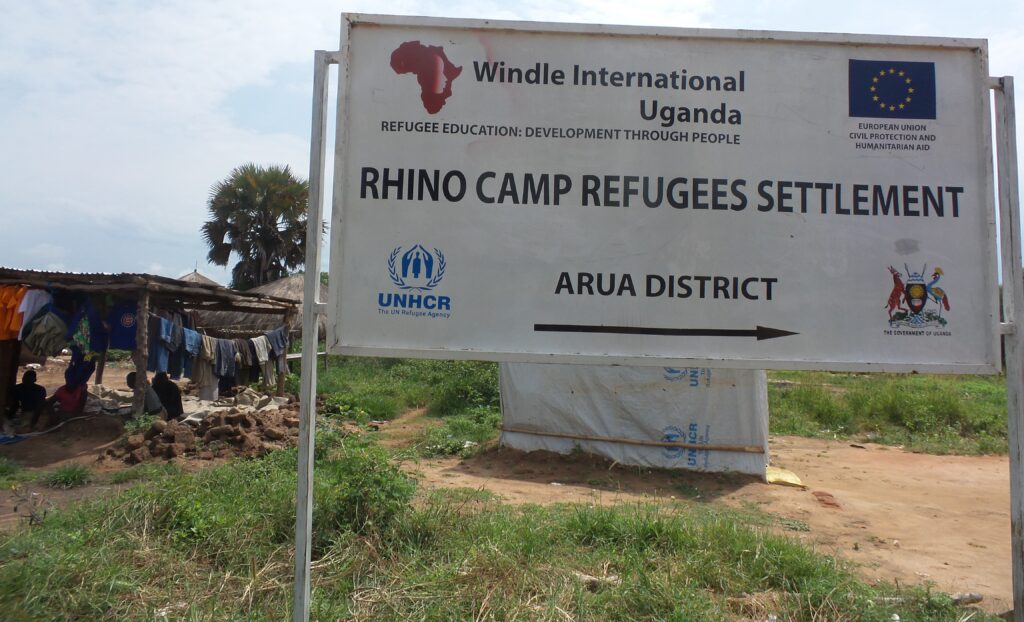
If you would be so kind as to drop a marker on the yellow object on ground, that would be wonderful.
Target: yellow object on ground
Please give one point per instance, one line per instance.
(782, 477)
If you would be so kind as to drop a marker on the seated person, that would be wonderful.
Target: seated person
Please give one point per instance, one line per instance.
(29, 396)
(67, 401)
(152, 404)
(169, 394)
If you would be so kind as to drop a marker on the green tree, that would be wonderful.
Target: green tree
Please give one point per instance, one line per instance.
(259, 214)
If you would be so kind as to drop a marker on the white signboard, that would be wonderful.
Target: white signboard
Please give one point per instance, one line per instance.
(562, 193)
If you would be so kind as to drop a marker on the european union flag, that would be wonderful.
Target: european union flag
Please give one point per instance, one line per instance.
(892, 89)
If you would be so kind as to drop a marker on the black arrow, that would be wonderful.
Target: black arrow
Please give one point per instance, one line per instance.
(761, 332)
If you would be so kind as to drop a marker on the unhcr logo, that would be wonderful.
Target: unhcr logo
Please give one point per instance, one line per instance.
(415, 271)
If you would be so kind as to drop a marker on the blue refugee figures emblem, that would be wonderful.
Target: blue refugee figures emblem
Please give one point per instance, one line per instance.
(417, 269)
(673, 434)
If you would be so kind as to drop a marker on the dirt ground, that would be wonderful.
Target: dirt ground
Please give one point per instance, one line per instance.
(900, 516)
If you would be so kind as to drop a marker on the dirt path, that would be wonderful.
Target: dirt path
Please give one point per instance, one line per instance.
(405, 429)
(901, 516)
(904, 516)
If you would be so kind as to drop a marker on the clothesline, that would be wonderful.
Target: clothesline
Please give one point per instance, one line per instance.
(211, 362)
(235, 330)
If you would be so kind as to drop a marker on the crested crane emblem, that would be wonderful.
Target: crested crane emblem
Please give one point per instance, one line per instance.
(925, 300)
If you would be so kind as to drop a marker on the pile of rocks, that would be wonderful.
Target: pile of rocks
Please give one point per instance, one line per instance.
(235, 432)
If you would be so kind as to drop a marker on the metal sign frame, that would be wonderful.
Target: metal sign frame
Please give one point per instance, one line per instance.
(805, 359)
(1010, 257)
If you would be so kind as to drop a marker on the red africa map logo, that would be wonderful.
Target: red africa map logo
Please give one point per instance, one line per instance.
(434, 72)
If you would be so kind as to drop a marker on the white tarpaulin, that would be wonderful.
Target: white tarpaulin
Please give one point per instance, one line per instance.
(561, 407)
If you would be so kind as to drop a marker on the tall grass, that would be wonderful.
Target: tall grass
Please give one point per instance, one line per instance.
(463, 435)
(216, 546)
(938, 414)
(383, 388)
(218, 540)
(69, 476)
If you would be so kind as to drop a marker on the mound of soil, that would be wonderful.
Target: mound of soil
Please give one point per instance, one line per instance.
(239, 432)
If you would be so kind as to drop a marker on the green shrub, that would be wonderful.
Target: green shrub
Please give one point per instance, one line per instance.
(244, 505)
(343, 406)
(250, 505)
(8, 467)
(360, 491)
(815, 403)
(462, 435)
(383, 388)
(292, 384)
(144, 472)
(462, 385)
(70, 476)
(139, 424)
(114, 355)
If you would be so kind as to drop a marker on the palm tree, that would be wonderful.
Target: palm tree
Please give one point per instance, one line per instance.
(258, 213)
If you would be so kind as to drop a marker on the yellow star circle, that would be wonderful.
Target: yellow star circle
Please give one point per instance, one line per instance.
(900, 76)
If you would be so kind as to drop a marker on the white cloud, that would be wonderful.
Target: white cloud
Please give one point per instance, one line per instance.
(47, 251)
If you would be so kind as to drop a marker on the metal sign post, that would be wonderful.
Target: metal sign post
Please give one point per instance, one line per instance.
(311, 308)
(1013, 337)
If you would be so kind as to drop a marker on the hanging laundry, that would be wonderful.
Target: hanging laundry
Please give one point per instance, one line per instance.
(192, 343)
(122, 322)
(256, 368)
(177, 331)
(224, 366)
(159, 334)
(262, 347)
(81, 336)
(31, 304)
(268, 366)
(279, 341)
(242, 347)
(47, 335)
(243, 362)
(11, 319)
(174, 346)
(80, 369)
(99, 329)
(203, 368)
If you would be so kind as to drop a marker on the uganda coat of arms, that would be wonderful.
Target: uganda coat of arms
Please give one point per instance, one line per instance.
(925, 300)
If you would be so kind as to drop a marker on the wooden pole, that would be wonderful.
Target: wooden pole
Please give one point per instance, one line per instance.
(102, 364)
(10, 354)
(1013, 339)
(283, 358)
(745, 449)
(141, 354)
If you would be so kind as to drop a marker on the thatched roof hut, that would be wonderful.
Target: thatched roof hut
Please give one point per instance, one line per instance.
(196, 277)
(291, 287)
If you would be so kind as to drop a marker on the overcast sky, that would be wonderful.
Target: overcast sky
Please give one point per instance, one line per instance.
(116, 117)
